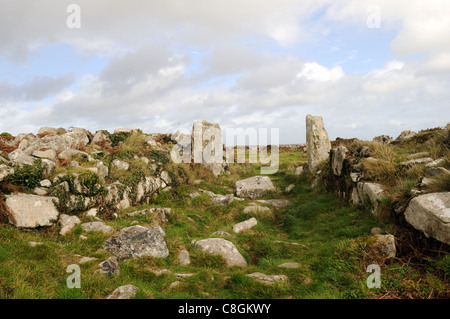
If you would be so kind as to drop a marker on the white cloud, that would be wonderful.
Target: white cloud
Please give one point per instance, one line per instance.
(315, 72)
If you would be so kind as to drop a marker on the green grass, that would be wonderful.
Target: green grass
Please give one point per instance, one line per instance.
(321, 233)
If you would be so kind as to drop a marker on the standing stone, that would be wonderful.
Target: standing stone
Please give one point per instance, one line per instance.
(31, 211)
(207, 146)
(317, 141)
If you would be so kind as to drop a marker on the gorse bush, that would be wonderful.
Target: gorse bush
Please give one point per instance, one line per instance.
(117, 138)
(28, 176)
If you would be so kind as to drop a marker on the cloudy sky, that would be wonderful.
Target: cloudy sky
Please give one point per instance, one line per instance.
(160, 65)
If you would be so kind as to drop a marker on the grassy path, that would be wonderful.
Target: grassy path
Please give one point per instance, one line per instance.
(328, 240)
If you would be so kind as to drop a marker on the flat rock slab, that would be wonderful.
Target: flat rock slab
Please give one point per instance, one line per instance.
(98, 227)
(124, 292)
(430, 214)
(224, 248)
(277, 203)
(138, 241)
(222, 200)
(245, 225)
(254, 187)
(267, 279)
(31, 211)
(258, 210)
(417, 161)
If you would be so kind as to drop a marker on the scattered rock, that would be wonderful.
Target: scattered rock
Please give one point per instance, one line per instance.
(383, 139)
(109, 267)
(194, 195)
(375, 231)
(159, 272)
(92, 212)
(417, 161)
(258, 210)
(48, 166)
(97, 227)
(124, 292)
(406, 134)
(245, 225)
(317, 141)
(174, 284)
(418, 155)
(48, 154)
(120, 164)
(34, 244)
(430, 213)
(124, 130)
(289, 188)
(268, 279)
(137, 241)
(222, 200)
(435, 163)
(224, 248)
(385, 244)
(277, 203)
(31, 211)
(5, 171)
(221, 233)
(68, 223)
(298, 170)
(45, 183)
(254, 187)
(364, 151)
(41, 191)
(183, 258)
